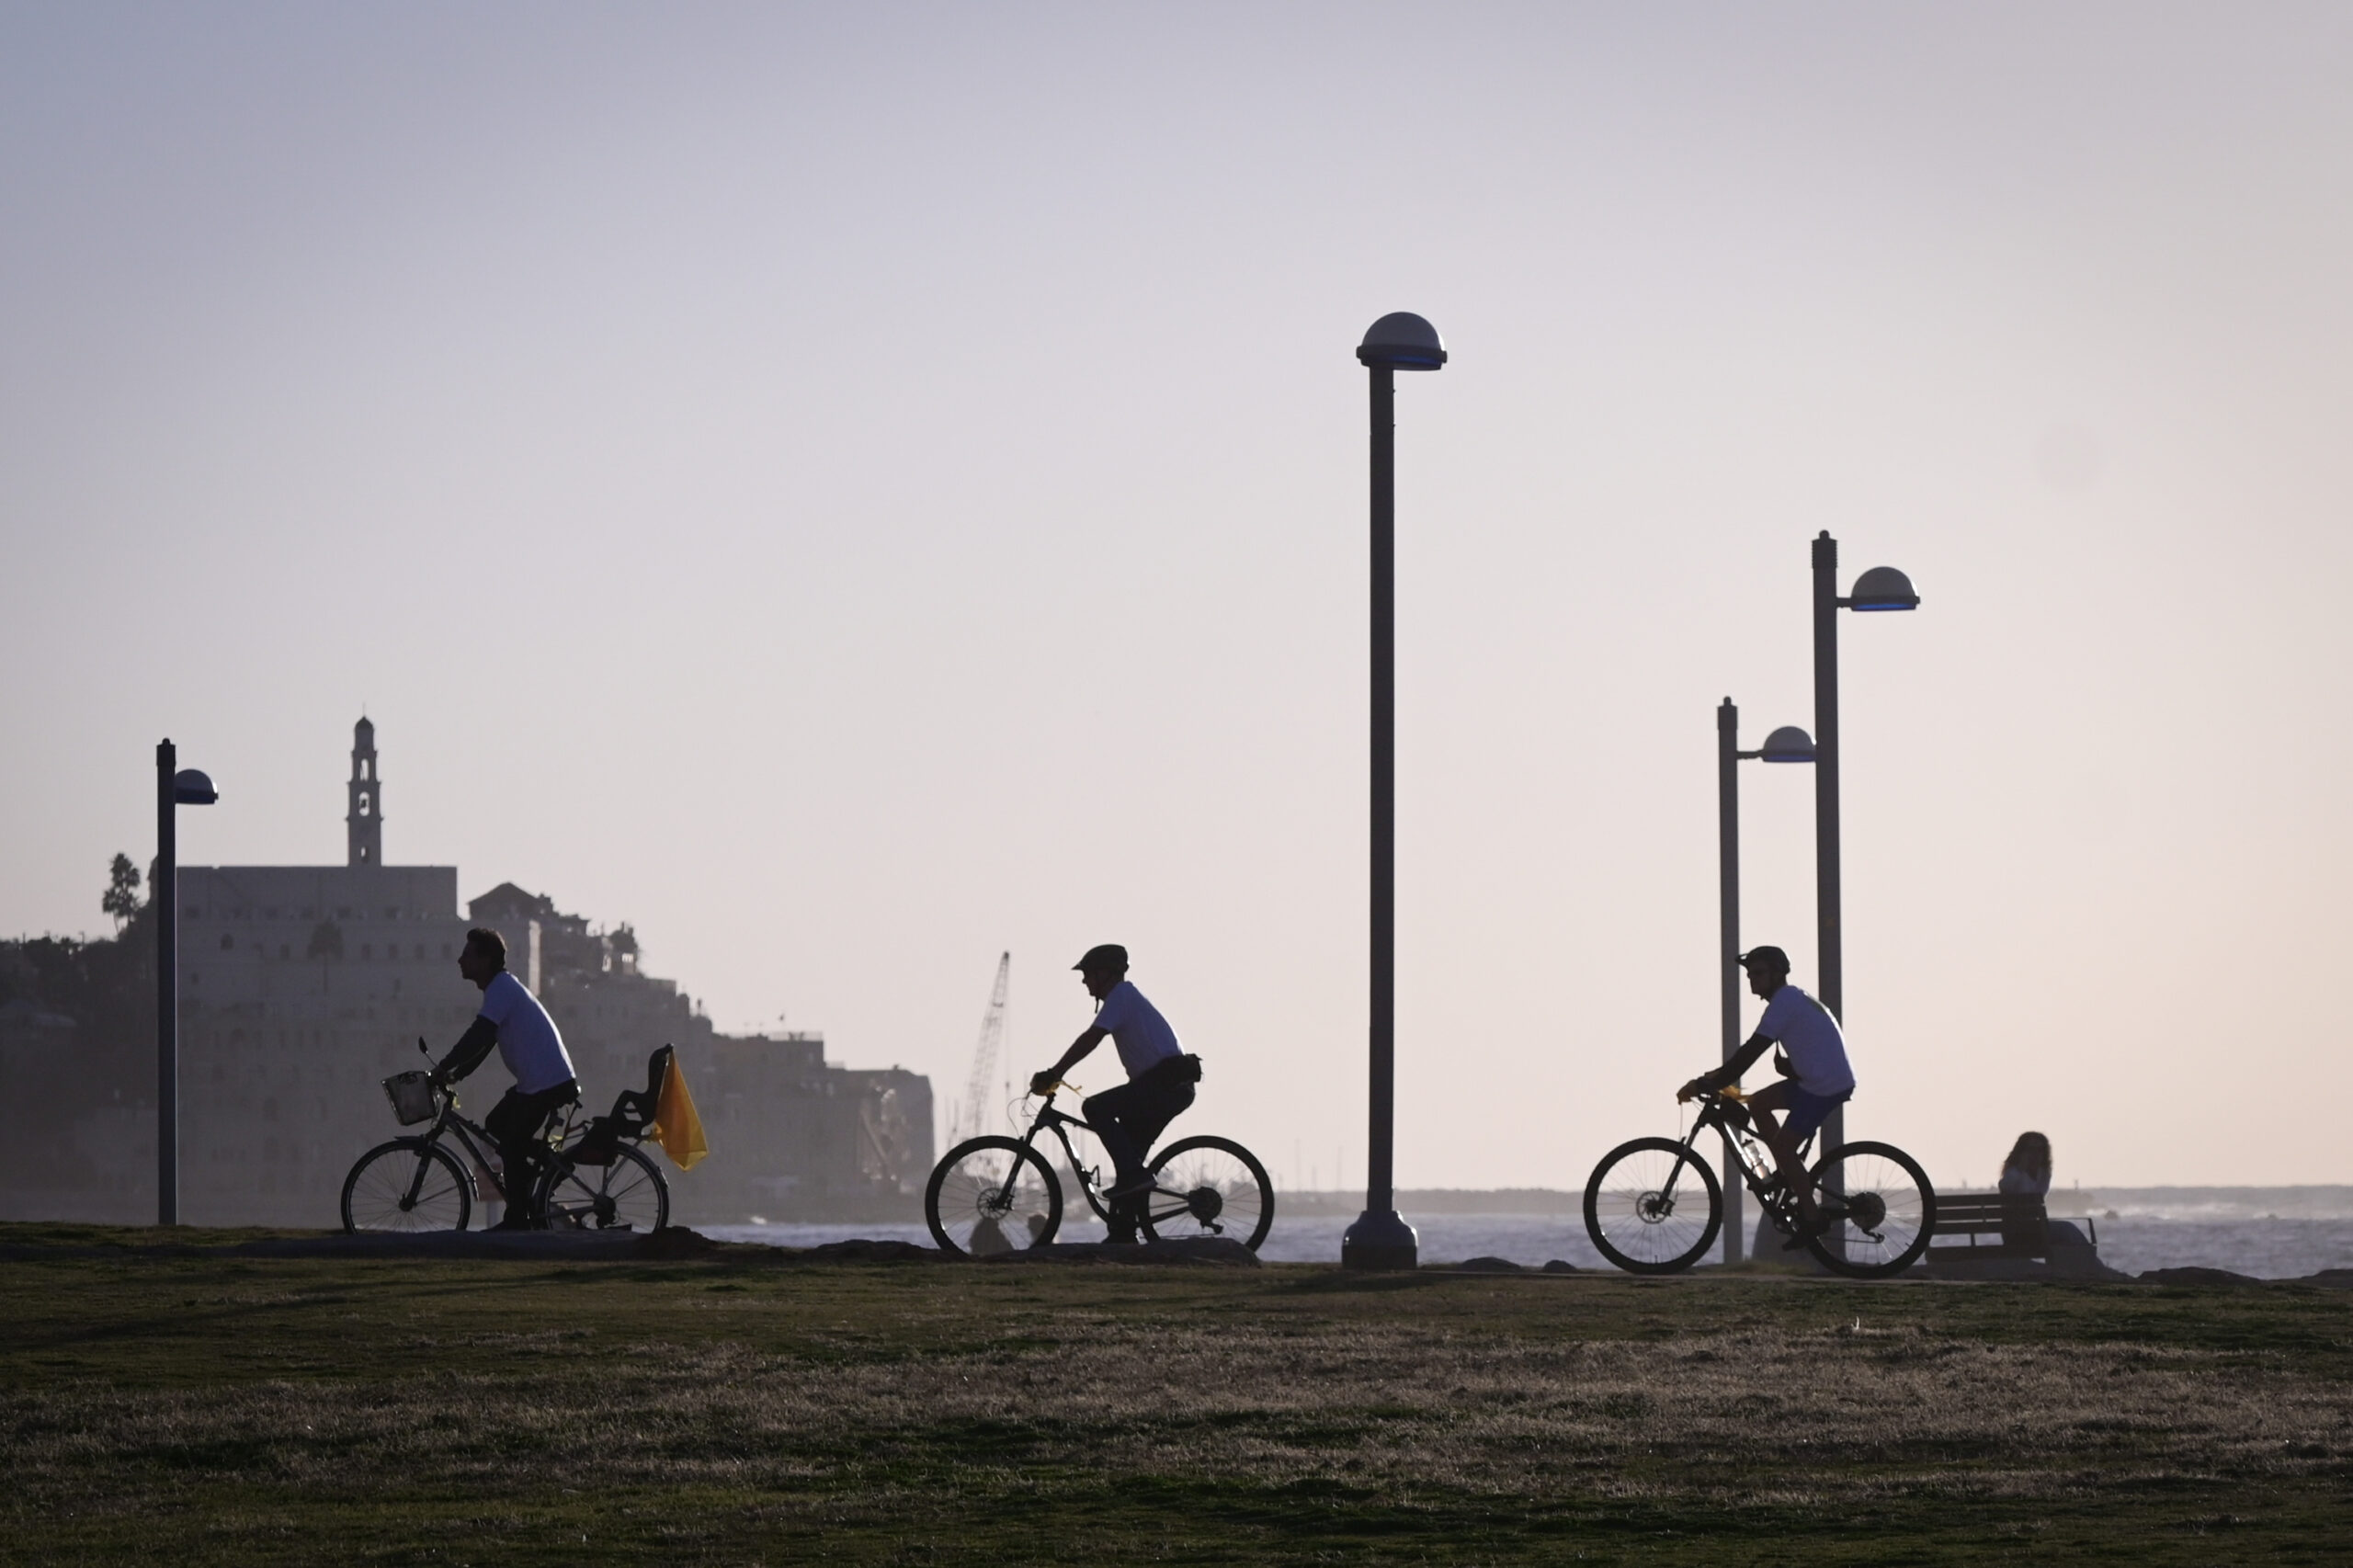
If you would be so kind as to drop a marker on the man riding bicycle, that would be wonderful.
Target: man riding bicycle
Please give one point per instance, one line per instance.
(1129, 1118)
(1812, 1060)
(528, 1041)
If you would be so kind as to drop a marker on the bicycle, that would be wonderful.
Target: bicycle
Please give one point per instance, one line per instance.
(595, 1177)
(998, 1194)
(1878, 1207)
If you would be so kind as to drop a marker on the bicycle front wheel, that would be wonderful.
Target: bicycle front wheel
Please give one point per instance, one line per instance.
(990, 1195)
(407, 1184)
(628, 1195)
(1653, 1206)
(1209, 1186)
(1883, 1210)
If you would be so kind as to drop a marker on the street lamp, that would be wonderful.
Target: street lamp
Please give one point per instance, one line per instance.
(1380, 1238)
(1881, 588)
(174, 786)
(1788, 744)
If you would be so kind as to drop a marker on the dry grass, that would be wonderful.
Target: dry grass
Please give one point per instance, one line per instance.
(295, 1412)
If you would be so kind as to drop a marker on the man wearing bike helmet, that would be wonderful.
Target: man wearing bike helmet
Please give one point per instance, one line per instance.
(1812, 1060)
(1129, 1118)
(528, 1041)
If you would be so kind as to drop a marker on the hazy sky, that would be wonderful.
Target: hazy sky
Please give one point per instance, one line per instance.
(854, 489)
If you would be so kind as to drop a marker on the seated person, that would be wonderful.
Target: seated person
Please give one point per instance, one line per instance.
(2027, 1170)
(2027, 1173)
(1812, 1060)
(513, 1021)
(1130, 1117)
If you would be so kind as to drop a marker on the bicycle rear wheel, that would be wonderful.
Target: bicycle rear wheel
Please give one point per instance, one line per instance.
(1885, 1211)
(990, 1195)
(627, 1195)
(407, 1184)
(1653, 1206)
(1209, 1186)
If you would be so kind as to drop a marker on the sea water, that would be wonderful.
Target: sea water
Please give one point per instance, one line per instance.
(2267, 1233)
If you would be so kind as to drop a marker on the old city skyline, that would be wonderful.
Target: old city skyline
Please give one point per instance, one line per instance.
(302, 986)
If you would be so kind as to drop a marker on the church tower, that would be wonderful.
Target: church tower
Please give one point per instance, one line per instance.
(366, 819)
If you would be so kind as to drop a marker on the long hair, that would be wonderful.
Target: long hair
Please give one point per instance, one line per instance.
(2031, 1153)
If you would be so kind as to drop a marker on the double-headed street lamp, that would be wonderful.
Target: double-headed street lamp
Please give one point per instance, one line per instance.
(1380, 1238)
(1788, 744)
(174, 786)
(1881, 588)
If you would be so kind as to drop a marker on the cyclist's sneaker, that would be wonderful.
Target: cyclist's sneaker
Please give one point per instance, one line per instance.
(1824, 1217)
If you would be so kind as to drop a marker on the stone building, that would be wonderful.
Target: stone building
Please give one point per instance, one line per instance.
(303, 987)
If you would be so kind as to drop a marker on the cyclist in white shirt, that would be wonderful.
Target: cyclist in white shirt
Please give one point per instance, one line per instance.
(1129, 1118)
(1815, 1078)
(528, 1041)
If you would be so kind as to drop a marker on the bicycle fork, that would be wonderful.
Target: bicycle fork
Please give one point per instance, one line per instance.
(416, 1181)
(1003, 1202)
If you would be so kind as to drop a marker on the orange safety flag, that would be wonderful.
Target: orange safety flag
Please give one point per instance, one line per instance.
(676, 1126)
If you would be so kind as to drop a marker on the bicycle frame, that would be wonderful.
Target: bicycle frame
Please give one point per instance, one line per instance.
(1049, 1119)
(1755, 1157)
(448, 1121)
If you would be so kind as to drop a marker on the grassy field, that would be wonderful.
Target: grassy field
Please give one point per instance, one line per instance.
(745, 1409)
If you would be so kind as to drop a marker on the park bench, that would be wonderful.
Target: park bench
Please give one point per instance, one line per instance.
(2018, 1226)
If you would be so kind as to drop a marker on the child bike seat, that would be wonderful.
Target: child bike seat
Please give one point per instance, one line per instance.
(632, 1113)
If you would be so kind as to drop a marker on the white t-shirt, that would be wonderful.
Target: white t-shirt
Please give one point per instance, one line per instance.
(1809, 1036)
(528, 1040)
(1136, 1027)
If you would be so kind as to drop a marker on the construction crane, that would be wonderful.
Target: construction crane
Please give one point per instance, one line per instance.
(979, 1090)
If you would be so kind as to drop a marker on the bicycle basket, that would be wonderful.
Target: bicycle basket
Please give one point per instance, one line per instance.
(412, 1096)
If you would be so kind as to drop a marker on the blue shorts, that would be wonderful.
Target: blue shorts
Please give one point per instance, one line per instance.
(1807, 1112)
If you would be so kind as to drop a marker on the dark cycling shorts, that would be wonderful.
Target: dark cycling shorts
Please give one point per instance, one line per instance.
(1807, 1112)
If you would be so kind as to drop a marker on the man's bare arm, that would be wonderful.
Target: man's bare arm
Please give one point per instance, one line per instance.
(1046, 1078)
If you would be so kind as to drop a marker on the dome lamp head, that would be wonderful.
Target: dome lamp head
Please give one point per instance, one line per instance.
(1403, 341)
(1884, 587)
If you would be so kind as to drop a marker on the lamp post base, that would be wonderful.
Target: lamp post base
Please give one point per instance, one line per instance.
(1379, 1240)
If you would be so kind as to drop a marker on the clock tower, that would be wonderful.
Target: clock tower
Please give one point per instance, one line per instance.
(365, 821)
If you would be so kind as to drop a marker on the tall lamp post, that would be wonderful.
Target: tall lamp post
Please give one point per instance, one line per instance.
(1881, 588)
(1380, 1238)
(1788, 744)
(174, 786)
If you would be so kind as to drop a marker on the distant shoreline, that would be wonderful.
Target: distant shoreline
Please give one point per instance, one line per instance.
(2315, 1202)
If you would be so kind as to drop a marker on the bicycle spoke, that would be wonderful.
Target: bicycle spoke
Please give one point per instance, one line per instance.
(1899, 1204)
(1209, 1186)
(991, 1200)
(1880, 1211)
(402, 1188)
(1651, 1207)
(636, 1178)
(1205, 1192)
(626, 1195)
